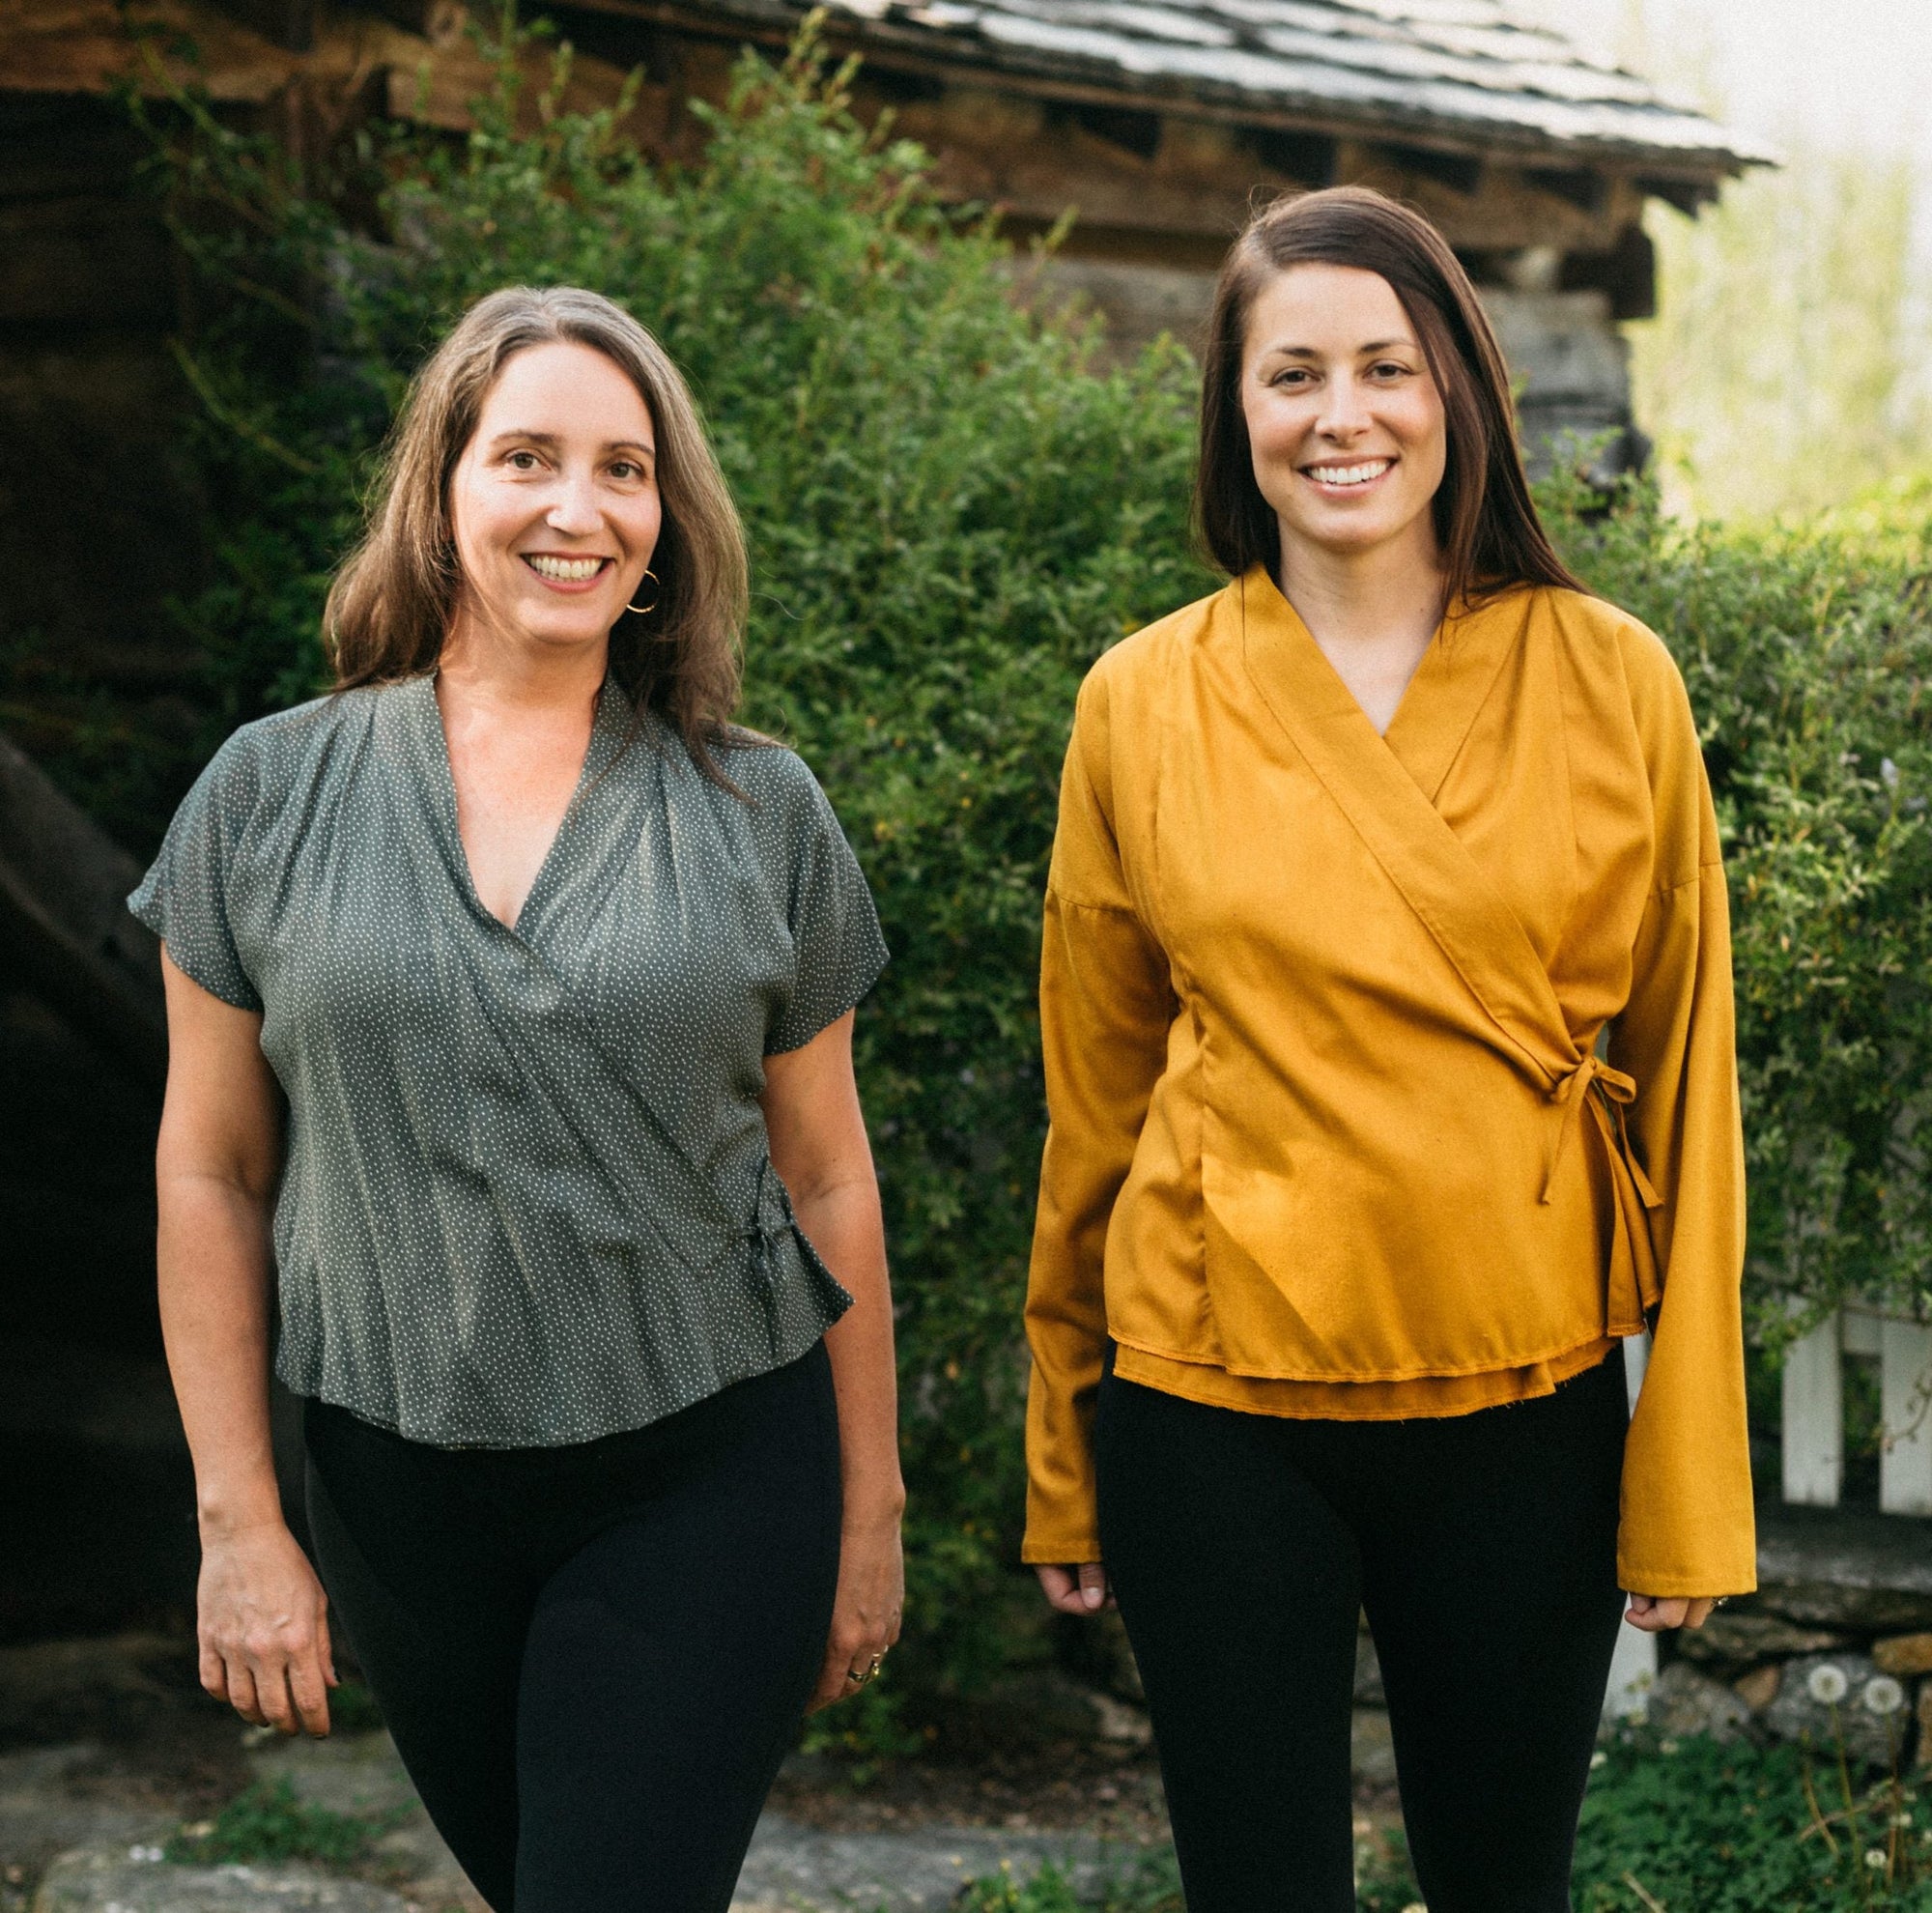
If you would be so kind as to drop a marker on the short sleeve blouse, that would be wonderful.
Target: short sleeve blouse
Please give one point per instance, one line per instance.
(528, 1197)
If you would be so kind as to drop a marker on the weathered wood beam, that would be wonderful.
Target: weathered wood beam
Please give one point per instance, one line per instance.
(65, 932)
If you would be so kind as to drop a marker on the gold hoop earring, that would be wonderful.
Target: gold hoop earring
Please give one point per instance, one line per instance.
(642, 609)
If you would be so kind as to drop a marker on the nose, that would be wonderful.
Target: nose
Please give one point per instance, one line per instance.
(1344, 414)
(573, 511)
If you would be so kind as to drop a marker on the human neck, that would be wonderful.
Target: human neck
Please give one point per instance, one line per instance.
(1350, 601)
(515, 673)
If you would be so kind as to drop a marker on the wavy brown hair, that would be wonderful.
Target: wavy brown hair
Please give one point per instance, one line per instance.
(1486, 520)
(390, 607)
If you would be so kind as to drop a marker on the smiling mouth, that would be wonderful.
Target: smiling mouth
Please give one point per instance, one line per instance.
(564, 570)
(1345, 477)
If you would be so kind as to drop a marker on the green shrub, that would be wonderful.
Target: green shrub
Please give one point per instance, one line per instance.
(952, 509)
(1808, 656)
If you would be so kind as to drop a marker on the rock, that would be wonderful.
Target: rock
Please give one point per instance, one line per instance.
(1904, 1654)
(1118, 1724)
(1686, 1704)
(1844, 1568)
(1759, 1689)
(1041, 1706)
(1372, 1750)
(792, 1867)
(362, 1773)
(108, 1880)
(1368, 1674)
(1824, 1697)
(1752, 1637)
(42, 1812)
(103, 1688)
(348, 1773)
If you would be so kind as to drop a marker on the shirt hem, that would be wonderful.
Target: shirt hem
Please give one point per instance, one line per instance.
(498, 1440)
(1521, 1382)
(848, 1003)
(1489, 1366)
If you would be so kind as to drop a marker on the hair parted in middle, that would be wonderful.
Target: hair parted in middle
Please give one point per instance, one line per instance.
(1486, 520)
(390, 607)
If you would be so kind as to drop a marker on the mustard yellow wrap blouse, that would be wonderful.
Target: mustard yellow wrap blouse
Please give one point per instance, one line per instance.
(1393, 1075)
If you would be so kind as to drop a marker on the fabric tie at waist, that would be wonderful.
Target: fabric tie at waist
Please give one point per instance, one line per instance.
(1634, 1287)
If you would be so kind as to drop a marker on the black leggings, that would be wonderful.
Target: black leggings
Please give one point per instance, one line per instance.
(1483, 1548)
(592, 1658)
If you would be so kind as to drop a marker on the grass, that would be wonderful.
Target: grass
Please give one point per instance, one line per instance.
(1668, 1827)
(269, 1822)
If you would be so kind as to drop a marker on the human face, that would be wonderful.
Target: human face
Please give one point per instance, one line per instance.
(1344, 417)
(554, 500)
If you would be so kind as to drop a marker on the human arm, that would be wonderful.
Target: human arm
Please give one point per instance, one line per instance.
(261, 1613)
(1686, 1532)
(1106, 1005)
(820, 1150)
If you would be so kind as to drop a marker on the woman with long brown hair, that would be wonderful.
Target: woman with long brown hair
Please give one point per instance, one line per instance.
(1387, 1006)
(510, 999)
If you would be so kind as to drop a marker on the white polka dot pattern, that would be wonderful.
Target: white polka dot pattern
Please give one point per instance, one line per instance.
(528, 1197)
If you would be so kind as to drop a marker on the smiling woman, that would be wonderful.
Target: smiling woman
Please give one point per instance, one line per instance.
(1386, 1008)
(510, 998)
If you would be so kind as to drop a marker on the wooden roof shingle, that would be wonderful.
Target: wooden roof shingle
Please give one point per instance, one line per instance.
(1463, 74)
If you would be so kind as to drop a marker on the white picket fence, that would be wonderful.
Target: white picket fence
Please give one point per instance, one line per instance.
(1634, 1663)
(1814, 1410)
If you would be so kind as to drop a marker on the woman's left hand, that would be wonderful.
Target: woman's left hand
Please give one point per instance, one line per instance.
(865, 1615)
(1658, 1613)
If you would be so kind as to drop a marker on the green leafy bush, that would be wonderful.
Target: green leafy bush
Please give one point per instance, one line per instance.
(1808, 656)
(952, 509)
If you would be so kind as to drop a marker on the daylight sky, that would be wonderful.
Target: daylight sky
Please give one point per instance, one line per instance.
(1845, 72)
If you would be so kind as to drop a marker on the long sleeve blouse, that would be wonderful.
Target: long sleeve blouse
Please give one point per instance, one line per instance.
(1393, 1075)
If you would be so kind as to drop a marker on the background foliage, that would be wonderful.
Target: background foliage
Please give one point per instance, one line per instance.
(952, 509)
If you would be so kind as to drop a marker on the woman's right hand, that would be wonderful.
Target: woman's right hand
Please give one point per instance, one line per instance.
(1076, 1590)
(264, 1630)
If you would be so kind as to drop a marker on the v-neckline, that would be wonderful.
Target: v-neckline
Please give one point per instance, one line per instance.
(1388, 790)
(1438, 704)
(436, 739)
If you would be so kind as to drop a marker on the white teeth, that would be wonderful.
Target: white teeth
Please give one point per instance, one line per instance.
(1348, 474)
(566, 571)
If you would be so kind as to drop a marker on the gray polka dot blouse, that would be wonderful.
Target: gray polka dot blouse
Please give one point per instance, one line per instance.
(528, 1198)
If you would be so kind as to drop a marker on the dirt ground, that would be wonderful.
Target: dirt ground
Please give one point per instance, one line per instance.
(142, 1749)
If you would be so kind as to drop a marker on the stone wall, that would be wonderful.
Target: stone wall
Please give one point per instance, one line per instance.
(1836, 1643)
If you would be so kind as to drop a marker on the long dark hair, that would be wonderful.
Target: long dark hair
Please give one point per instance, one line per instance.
(390, 606)
(1486, 520)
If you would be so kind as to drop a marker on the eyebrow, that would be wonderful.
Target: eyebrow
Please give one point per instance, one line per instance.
(1362, 350)
(550, 439)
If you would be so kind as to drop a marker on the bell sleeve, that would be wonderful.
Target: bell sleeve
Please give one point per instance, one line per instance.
(1687, 1524)
(1105, 1004)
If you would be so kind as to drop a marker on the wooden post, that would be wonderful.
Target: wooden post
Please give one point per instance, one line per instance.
(1633, 1663)
(1905, 1388)
(1814, 1419)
